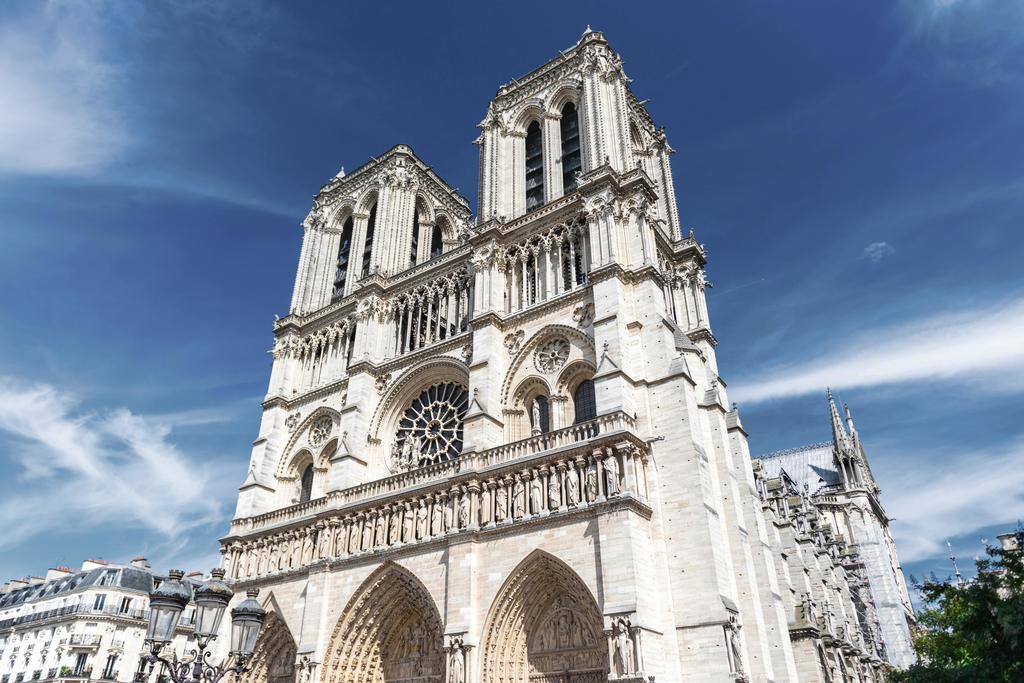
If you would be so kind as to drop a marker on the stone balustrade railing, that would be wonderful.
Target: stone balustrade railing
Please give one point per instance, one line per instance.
(610, 423)
(516, 491)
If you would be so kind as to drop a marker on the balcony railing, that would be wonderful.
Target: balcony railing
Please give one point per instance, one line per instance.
(85, 610)
(85, 640)
(470, 462)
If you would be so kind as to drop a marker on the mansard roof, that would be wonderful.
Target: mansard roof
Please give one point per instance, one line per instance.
(401, 161)
(123, 577)
(810, 467)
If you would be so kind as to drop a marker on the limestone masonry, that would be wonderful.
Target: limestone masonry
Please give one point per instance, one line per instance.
(499, 449)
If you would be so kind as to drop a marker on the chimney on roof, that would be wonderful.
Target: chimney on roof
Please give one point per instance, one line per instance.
(140, 562)
(15, 584)
(94, 564)
(57, 573)
(36, 580)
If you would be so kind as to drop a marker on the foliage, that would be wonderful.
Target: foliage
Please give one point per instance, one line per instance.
(973, 631)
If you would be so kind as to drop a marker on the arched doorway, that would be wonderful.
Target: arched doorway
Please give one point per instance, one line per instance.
(390, 632)
(273, 661)
(544, 626)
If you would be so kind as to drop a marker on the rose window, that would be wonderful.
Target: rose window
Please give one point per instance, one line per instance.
(431, 429)
(552, 355)
(320, 430)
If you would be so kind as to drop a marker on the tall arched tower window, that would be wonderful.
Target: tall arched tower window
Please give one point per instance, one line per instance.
(414, 243)
(436, 243)
(585, 401)
(368, 242)
(572, 161)
(341, 274)
(534, 167)
(306, 492)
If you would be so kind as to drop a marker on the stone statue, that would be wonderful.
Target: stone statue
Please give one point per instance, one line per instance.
(379, 531)
(535, 417)
(435, 518)
(367, 541)
(457, 663)
(421, 520)
(592, 480)
(572, 487)
(623, 648)
(464, 510)
(393, 527)
(536, 504)
(611, 470)
(501, 504)
(518, 498)
(554, 490)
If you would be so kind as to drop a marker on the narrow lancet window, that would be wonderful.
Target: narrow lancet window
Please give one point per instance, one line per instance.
(572, 161)
(436, 244)
(534, 167)
(307, 484)
(368, 242)
(414, 244)
(341, 274)
(585, 401)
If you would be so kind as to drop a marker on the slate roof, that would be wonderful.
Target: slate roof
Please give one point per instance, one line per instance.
(811, 466)
(125, 578)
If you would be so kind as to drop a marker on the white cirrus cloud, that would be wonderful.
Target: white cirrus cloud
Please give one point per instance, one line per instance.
(115, 469)
(977, 345)
(938, 495)
(60, 113)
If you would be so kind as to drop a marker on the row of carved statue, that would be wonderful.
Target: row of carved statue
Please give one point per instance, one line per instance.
(560, 486)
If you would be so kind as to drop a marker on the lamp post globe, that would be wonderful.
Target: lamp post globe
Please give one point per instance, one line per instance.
(246, 622)
(166, 603)
(212, 600)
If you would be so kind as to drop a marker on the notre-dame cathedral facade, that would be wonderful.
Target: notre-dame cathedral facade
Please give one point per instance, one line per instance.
(498, 449)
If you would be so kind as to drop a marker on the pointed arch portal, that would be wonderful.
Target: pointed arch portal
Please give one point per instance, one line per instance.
(544, 626)
(274, 658)
(390, 632)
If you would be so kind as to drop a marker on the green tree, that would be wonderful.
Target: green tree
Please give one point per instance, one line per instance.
(973, 631)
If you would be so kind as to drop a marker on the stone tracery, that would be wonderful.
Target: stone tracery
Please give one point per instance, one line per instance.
(431, 429)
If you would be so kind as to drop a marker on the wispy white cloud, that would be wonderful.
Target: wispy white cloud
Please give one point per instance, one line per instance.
(93, 469)
(60, 114)
(978, 41)
(938, 495)
(984, 344)
(877, 251)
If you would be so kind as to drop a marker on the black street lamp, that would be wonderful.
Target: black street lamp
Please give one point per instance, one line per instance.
(166, 604)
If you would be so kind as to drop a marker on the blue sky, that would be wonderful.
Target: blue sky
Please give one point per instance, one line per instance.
(855, 171)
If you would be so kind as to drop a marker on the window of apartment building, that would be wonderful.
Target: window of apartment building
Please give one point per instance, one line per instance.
(100, 601)
(107, 578)
(109, 671)
(126, 605)
(81, 660)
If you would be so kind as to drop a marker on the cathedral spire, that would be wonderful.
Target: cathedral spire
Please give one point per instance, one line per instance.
(838, 433)
(849, 425)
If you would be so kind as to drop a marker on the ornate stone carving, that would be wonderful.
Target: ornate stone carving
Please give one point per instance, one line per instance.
(431, 429)
(583, 314)
(320, 430)
(514, 340)
(543, 624)
(292, 421)
(382, 382)
(390, 631)
(552, 355)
